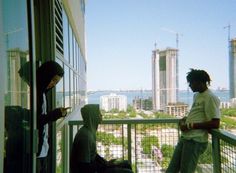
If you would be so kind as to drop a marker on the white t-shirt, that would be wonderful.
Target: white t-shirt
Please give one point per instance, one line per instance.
(45, 146)
(205, 107)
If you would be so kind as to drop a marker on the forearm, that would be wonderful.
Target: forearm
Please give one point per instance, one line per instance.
(50, 117)
(214, 123)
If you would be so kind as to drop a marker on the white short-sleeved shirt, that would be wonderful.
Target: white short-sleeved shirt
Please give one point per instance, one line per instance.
(205, 107)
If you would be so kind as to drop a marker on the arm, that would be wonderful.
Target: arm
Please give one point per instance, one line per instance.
(213, 124)
(52, 116)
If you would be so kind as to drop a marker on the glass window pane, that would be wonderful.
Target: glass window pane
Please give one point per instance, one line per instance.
(74, 50)
(76, 90)
(70, 45)
(60, 90)
(15, 61)
(59, 161)
(67, 86)
(65, 36)
(72, 88)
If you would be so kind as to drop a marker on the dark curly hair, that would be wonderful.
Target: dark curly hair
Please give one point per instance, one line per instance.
(199, 76)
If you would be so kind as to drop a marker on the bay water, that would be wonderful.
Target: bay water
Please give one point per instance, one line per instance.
(185, 96)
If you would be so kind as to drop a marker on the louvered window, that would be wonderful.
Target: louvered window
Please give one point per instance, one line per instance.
(58, 26)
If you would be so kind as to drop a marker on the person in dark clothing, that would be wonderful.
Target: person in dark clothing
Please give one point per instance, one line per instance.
(48, 75)
(16, 126)
(84, 157)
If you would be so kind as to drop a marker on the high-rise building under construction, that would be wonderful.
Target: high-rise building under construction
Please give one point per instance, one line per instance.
(232, 67)
(164, 78)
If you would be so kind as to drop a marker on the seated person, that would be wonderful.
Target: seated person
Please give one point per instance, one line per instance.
(84, 157)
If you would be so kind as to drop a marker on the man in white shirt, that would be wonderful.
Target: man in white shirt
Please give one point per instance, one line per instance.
(203, 116)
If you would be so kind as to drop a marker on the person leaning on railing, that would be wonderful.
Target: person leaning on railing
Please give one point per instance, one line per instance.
(203, 116)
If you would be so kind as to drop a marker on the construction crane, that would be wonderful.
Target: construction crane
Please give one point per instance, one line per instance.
(228, 27)
(176, 34)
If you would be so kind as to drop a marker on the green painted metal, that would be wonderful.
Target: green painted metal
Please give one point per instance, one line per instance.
(217, 136)
(216, 154)
(224, 135)
(129, 143)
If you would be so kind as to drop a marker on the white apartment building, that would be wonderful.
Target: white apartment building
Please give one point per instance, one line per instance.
(177, 109)
(164, 78)
(113, 101)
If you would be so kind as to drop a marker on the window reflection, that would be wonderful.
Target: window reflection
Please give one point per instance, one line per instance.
(72, 98)
(17, 93)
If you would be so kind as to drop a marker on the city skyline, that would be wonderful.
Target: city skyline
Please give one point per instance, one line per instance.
(121, 37)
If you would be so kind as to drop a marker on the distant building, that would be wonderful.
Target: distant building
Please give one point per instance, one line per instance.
(225, 105)
(18, 89)
(164, 78)
(232, 68)
(233, 103)
(113, 101)
(142, 104)
(177, 109)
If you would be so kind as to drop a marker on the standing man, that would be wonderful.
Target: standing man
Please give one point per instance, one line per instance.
(203, 116)
(48, 75)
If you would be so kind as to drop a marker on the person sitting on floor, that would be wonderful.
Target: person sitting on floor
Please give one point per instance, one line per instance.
(84, 157)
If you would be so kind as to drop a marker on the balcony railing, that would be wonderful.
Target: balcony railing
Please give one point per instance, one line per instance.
(149, 144)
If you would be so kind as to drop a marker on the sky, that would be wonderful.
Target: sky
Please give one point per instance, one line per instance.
(121, 35)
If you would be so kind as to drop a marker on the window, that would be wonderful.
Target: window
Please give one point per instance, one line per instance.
(17, 110)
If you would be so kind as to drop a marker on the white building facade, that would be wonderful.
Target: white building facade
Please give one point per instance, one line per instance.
(164, 78)
(113, 101)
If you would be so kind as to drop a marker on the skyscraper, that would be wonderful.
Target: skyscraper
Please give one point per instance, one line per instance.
(232, 67)
(164, 78)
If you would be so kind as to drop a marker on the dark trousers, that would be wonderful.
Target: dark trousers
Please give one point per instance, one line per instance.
(186, 155)
(42, 165)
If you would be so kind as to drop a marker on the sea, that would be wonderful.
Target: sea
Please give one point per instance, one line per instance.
(185, 96)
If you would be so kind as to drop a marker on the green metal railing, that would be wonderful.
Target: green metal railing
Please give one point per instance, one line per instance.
(149, 144)
(224, 151)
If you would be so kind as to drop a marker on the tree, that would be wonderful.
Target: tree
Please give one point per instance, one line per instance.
(147, 143)
(167, 151)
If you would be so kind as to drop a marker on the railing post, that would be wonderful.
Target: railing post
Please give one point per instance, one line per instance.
(70, 139)
(129, 143)
(65, 149)
(216, 154)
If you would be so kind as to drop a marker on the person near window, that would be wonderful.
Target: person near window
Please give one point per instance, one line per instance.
(48, 75)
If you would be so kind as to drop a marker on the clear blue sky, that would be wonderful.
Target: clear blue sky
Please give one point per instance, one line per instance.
(121, 36)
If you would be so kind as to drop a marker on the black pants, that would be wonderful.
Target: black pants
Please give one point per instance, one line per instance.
(42, 165)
